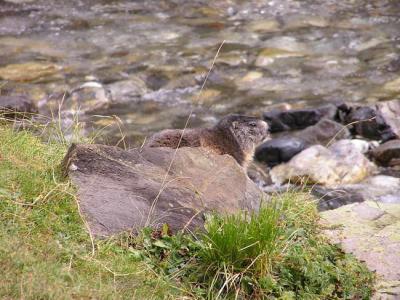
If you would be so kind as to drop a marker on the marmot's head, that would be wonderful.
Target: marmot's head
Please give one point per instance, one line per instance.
(247, 131)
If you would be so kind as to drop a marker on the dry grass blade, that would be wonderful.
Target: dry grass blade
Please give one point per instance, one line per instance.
(154, 202)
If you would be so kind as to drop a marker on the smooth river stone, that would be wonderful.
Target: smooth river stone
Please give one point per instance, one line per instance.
(31, 72)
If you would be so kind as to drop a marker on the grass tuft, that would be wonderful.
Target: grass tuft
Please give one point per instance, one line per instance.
(278, 253)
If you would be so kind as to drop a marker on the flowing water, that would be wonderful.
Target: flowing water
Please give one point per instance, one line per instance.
(149, 58)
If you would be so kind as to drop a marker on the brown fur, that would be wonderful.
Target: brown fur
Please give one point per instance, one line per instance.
(235, 135)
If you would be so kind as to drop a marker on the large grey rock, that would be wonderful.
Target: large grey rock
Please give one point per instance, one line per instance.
(323, 133)
(125, 190)
(326, 166)
(370, 231)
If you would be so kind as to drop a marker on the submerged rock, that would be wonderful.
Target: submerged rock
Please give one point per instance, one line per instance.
(90, 96)
(83, 99)
(334, 198)
(326, 166)
(31, 72)
(156, 80)
(128, 90)
(263, 26)
(207, 96)
(304, 21)
(233, 59)
(379, 188)
(250, 77)
(298, 118)
(393, 86)
(268, 56)
(125, 190)
(16, 106)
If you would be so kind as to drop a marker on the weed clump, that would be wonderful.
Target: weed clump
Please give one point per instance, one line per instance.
(278, 253)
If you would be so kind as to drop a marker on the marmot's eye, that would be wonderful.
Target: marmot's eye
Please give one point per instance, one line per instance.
(253, 124)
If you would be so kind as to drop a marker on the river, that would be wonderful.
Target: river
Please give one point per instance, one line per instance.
(150, 58)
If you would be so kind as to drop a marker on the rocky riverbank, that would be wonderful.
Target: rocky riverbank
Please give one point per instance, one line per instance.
(352, 149)
(349, 159)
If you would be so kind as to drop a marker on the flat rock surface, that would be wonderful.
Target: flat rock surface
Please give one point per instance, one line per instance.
(370, 231)
(333, 166)
(122, 190)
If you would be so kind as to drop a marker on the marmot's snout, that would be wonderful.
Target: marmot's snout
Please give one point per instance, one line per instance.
(257, 130)
(264, 130)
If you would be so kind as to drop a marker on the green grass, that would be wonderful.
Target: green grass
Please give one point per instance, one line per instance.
(46, 253)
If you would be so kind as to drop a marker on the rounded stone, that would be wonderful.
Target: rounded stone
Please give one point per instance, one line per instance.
(279, 150)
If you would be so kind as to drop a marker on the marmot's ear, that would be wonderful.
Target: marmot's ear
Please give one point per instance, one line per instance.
(235, 124)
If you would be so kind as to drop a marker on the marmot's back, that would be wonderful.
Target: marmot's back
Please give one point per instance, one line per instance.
(170, 138)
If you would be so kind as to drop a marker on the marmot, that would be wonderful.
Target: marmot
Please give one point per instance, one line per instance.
(236, 135)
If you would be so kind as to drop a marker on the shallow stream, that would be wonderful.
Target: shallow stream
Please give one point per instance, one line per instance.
(151, 57)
